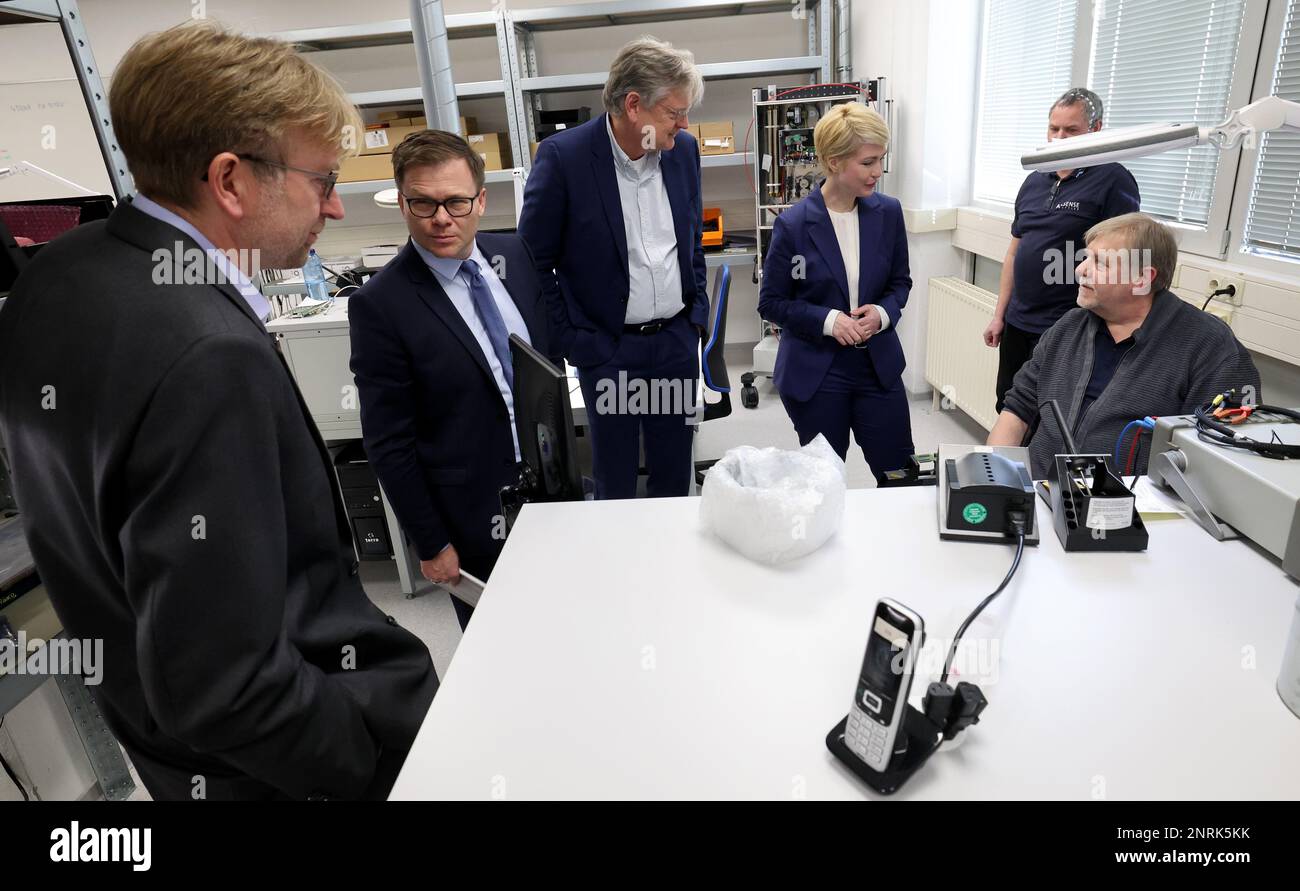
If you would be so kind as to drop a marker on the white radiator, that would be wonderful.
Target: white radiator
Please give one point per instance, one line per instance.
(962, 370)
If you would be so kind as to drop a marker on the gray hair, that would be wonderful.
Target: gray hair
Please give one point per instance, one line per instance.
(1076, 95)
(651, 68)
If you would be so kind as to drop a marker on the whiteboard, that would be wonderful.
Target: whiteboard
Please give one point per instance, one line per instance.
(43, 117)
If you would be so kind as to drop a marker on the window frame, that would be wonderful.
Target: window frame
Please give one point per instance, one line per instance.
(1266, 67)
(1083, 16)
(1257, 48)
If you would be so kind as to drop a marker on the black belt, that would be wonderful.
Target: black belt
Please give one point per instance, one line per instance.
(654, 326)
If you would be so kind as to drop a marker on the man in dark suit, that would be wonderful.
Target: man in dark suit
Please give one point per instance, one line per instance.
(432, 362)
(178, 501)
(623, 269)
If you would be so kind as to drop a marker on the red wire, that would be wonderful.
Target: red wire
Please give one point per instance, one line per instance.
(1132, 452)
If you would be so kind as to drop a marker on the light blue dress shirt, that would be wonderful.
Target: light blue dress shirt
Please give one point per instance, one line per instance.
(259, 304)
(654, 276)
(455, 282)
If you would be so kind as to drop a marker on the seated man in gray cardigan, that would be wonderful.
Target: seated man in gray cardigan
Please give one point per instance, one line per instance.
(1131, 349)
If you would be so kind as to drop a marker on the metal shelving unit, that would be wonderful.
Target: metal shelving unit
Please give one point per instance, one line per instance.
(530, 84)
(371, 186)
(522, 84)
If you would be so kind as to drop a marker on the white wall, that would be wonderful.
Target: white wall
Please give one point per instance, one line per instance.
(928, 50)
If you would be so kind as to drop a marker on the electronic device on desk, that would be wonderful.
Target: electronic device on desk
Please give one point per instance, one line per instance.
(884, 739)
(984, 493)
(884, 683)
(548, 470)
(918, 472)
(1238, 472)
(1092, 509)
(1237, 467)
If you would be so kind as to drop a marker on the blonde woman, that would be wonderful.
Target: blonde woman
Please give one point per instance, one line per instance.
(836, 280)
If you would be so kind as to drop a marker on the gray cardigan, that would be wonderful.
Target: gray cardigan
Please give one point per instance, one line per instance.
(1181, 357)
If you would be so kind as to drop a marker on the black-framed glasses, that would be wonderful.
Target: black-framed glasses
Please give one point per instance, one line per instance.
(424, 208)
(328, 180)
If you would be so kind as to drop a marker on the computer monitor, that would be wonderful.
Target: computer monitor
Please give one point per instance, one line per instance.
(13, 256)
(544, 421)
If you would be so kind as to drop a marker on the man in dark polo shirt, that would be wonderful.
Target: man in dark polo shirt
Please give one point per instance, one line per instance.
(1130, 349)
(1053, 211)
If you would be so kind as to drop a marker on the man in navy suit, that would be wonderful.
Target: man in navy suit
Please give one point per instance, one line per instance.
(432, 363)
(622, 265)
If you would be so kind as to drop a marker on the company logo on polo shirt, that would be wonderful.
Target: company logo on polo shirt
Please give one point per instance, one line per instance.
(1067, 205)
(91, 845)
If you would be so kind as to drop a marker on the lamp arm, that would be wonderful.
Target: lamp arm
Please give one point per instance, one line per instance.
(1245, 124)
(22, 166)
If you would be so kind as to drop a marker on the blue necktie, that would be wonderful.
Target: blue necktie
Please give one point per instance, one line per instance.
(490, 316)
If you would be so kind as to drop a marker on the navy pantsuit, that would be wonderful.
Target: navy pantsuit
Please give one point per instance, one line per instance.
(828, 388)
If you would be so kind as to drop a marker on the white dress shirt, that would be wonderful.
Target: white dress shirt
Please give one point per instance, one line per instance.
(455, 282)
(846, 233)
(231, 272)
(654, 276)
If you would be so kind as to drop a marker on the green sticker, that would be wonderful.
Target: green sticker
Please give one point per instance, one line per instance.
(974, 513)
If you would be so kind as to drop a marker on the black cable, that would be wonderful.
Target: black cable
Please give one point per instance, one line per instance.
(10, 771)
(1230, 290)
(1212, 430)
(1015, 564)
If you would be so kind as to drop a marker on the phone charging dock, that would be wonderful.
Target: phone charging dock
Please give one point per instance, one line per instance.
(976, 493)
(922, 740)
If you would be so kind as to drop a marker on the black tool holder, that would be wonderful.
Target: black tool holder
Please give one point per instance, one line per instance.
(1071, 507)
(918, 738)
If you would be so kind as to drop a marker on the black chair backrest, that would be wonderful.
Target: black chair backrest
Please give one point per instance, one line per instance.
(715, 363)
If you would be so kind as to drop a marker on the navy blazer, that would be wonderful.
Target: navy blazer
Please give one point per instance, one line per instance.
(580, 243)
(435, 427)
(804, 278)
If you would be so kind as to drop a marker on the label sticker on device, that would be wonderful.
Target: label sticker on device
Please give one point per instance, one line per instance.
(1110, 513)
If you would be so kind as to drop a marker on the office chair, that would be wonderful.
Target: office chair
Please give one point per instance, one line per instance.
(714, 361)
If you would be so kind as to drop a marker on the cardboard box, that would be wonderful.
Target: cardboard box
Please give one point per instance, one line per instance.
(532, 150)
(489, 142)
(366, 167)
(495, 160)
(390, 115)
(468, 125)
(716, 138)
(383, 140)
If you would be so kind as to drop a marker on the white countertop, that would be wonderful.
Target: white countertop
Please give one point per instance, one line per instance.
(620, 651)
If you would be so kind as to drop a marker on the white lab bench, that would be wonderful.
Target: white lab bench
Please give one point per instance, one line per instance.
(620, 651)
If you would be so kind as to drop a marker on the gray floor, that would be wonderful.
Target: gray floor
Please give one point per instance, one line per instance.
(430, 615)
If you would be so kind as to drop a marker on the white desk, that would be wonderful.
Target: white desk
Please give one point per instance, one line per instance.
(621, 652)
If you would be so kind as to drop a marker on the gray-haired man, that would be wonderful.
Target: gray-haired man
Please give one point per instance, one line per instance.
(612, 214)
(1130, 349)
(1053, 211)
